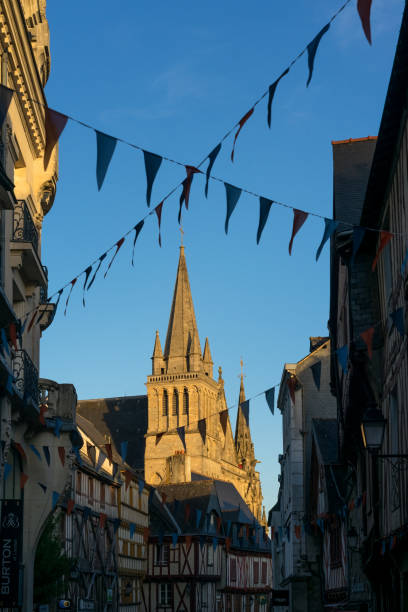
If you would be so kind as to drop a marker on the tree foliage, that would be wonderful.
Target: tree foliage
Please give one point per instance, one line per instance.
(51, 564)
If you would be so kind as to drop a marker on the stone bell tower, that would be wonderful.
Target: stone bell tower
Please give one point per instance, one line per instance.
(181, 390)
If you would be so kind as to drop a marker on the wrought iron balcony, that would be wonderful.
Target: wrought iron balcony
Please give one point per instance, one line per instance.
(24, 227)
(26, 377)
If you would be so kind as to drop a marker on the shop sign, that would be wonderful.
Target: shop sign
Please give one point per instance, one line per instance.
(11, 530)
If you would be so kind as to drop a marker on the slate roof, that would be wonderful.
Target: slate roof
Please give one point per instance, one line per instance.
(326, 438)
(123, 419)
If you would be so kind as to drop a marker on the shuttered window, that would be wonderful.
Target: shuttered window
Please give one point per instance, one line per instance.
(233, 570)
(165, 403)
(175, 403)
(256, 572)
(264, 572)
(185, 401)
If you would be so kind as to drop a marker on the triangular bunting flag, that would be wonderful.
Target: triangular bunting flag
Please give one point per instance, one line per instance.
(20, 450)
(198, 517)
(212, 157)
(86, 514)
(43, 487)
(23, 480)
(4, 341)
(87, 272)
(241, 124)
(91, 282)
(13, 335)
(105, 147)
(118, 245)
(385, 237)
(123, 450)
(182, 435)
(55, 498)
(102, 520)
(358, 235)
(35, 451)
(316, 372)
(47, 455)
(70, 506)
(188, 540)
(61, 453)
(6, 96)
(233, 195)
(367, 336)
(311, 50)
(270, 398)
(330, 227)
(224, 420)
(342, 356)
(138, 229)
(152, 165)
(299, 217)
(245, 410)
(57, 427)
(141, 484)
(116, 524)
(202, 428)
(264, 208)
(73, 282)
(54, 125)
(364, 9)
(158, 211)
(128, 478)
(7, 470)
(272, 90)
(215, 543)
(185, 194)
(202, 541)
(132, 529)
(174, 538)
(398, 320)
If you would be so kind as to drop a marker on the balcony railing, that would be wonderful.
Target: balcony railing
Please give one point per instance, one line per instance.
(24, 227)
(26, 376)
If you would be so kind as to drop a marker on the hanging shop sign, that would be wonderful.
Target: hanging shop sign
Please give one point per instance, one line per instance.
(11, 529)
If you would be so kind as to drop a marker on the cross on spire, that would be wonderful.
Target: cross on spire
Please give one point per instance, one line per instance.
(181, 235)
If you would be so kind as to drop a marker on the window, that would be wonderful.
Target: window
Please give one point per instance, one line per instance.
(90, 489)
(210, 555)
(113, 496)
(233, 570)
(166, 595)
(256, 572)
(162, 554)
(102, 494)
(78, 480)
(165, 403)
(335, 546)
(175, 403)
(185, 401)
(264, 572)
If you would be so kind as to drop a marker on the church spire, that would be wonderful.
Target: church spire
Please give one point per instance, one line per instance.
(182, 340)
(243, 440)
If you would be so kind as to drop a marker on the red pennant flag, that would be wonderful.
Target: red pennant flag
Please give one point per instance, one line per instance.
(23, 480)
(364, 9)
(367, 336)
(185, 194)
(43, 408)
(299, 217)
(128, 478)
(118, 245)
(218, 519)
(188, 540)
(102, 520)
(187, 511)
(70, 506)
(164, 497)
(227, 543)
(297, 531)
(158, 438)
(292, 387)
(21, 450)
(272, 532)
(54, 125)
(108, 448)
(385, 237)
(158, 211)
(146, 533)
(13, 334)
(242, 122)
(61, 453)
(224, 420)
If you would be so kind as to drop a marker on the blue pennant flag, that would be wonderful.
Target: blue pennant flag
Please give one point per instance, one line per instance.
(215, 543)
(264, 208)
(55, 498)
(270, 398)
(7, 470)
(320, 523)
(6, 95)
(358, 235)
(9, 384)
(141, 485)
(233, 195)
(311, 51)
(4, 341)
(198, 518)
(272, 90)
(342, 356)
(316, 372)
(245, 410)
(398, 320)
(47, 455)
(212, 157)
(132, 529)
(202, 541)
(116, 524)
(86, 513)
(330, 227)
(58, 425)
(228, 528)
(152, 165)
(404, 263)
(105, 147)
(77, 454)
(182, 434)
(43, 487)
(123, 450)
(138, 229)
(35, 451)
(174, 538)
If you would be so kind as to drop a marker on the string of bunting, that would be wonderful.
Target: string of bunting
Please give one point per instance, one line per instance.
(55, 123)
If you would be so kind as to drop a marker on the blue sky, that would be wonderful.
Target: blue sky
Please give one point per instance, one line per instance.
(173, 78)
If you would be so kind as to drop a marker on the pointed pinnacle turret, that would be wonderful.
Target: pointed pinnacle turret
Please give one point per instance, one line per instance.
(157, 357)
(157, 351)
(207, 359)
(182, 333)
(243, 440)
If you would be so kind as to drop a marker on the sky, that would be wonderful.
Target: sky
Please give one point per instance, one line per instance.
(173, 78)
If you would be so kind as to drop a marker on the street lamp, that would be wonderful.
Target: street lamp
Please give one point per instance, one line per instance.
(373, 428)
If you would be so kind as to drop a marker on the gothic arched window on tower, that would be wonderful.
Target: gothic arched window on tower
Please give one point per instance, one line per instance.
(175, 404)
(165, 403)
(185, 402)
